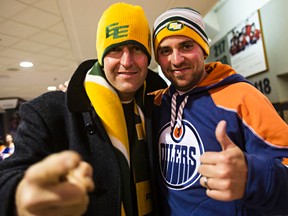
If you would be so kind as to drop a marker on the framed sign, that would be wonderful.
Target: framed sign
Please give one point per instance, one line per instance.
(219, 52)
(246, 47)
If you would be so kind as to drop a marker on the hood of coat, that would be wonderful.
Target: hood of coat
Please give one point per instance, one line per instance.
(77, 99)
(218, 75)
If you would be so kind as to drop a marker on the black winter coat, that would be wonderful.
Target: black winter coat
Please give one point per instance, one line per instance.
(59, 121)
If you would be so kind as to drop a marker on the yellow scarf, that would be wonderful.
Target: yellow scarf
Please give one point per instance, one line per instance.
(108, 106)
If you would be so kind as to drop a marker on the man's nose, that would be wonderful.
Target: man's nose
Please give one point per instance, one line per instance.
(177, 57)
(127, 57)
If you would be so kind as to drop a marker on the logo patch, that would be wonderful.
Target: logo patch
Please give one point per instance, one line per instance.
(179, 155)
(116, 31)
(175, 26)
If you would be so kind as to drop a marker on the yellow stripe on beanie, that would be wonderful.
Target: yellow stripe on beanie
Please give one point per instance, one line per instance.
(129, 26)
(180, 21)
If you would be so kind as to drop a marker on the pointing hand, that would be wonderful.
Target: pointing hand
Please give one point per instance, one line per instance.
(56, 186)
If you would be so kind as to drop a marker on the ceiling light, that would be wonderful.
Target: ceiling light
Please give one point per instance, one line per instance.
(51, 88)
(26, 64)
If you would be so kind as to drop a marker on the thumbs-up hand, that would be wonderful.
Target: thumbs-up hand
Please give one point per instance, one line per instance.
(224, 173)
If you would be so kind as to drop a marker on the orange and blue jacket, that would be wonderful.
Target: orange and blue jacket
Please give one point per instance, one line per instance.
(252, 124)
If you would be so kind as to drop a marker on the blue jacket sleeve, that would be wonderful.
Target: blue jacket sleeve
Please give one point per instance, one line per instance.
(267, 185)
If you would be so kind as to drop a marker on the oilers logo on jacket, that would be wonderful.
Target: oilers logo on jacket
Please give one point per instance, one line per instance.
(180, 150)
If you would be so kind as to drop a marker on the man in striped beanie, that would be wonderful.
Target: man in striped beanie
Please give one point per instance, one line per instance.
(212, 108)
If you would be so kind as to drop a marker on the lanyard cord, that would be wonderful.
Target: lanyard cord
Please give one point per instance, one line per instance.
(180, 111)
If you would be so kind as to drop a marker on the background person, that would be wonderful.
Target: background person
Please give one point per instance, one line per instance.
(222, 147)
(8, 148)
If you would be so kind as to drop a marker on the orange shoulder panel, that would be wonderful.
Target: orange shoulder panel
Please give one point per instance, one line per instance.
(255, 110)
(158, 95)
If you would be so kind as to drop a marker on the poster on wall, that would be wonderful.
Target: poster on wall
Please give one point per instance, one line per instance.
(246, 47)
(219, 52)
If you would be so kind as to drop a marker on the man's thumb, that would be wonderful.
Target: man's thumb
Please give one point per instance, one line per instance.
(54, 167)
(222, 136)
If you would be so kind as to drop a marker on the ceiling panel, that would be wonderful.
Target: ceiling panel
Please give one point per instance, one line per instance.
(56, 35)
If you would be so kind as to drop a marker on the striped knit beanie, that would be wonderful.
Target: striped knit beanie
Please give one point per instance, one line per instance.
(122, 24)
(180, 21)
